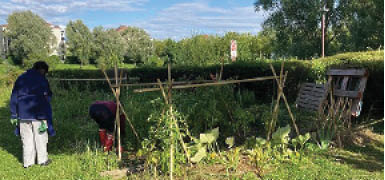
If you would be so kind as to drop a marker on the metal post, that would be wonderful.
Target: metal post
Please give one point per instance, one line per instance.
(323, 34)
(324, 10)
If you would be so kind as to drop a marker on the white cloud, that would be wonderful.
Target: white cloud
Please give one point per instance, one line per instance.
(185, 19)
(51, 9)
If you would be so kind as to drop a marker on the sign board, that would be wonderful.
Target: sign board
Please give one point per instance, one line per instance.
(233, 50)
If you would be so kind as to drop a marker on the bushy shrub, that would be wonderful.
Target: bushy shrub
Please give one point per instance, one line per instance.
(8, 74)
(52, 61)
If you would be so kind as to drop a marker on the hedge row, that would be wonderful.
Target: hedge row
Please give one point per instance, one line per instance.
(299, 71)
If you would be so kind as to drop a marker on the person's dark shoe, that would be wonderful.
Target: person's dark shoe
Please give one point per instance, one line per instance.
(46, 163)
(26, 167)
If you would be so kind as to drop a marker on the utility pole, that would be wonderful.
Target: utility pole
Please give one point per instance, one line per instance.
(324, 11)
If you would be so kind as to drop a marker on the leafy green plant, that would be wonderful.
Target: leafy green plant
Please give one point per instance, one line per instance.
(232, 158)
(300, 140)
(205, 142)
(163, 138)
(260, 155)
(281, 137)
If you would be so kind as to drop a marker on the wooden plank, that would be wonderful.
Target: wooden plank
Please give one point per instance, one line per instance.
(309, 107)
(344, 82)
(311, 96)
(313, 106)
(362, 85)
(347, 72)
(350, 94)
(315, 103)
(313, 91)
(313, 85)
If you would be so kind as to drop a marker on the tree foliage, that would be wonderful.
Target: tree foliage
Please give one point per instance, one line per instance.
(137, 44)
(107, 47)
(350, 25)
(30, 35)
(79, 41)
(210, 49)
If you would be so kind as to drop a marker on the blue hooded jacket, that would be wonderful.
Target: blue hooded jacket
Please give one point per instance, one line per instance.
(30, 99)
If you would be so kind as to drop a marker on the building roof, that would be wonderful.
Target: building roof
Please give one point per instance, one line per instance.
(121, 28)
(3, 25)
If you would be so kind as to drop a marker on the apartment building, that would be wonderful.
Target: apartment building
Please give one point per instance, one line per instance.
(58, 48)
(4, 41)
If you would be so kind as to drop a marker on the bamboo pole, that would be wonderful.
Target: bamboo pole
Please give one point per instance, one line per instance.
(169, 101)
(280, 86)
(175, 123)
(207, 84)
(275, 113)
(166, 83)
(117, 113)
(121, 106)
(57, 79)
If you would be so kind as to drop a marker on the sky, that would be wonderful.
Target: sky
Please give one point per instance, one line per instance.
(175, 19)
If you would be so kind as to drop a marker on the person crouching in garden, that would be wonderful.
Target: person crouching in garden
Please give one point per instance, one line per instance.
(31, 113)
(104, 113)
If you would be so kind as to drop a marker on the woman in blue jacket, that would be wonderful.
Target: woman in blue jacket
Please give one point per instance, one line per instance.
(31, 109)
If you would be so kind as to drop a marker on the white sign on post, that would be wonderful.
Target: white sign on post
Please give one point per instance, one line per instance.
(233, 50)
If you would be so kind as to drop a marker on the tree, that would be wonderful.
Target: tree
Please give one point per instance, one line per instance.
(367, 24)
(350, 25)
(30, 35)
(107, 47)
(296, 26)
(138, 44)
(79, 41)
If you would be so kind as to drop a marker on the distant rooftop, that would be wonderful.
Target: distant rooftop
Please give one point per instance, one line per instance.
(121, 28)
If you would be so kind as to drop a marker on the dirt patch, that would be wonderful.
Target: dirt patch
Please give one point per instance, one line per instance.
(362, 137)
(115, 174)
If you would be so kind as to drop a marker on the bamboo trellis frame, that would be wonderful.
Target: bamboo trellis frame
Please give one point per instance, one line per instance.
(116, 92)
(118, 84)
(279, 79)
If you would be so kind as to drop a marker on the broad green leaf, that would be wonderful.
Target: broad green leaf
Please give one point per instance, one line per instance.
(281, 135)
(199, 155)
(209, 137)
(230, 141)
(260, 141)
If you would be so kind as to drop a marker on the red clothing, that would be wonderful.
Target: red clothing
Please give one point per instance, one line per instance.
(111, 105)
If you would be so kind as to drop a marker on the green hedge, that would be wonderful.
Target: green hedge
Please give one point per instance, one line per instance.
(299, 71)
